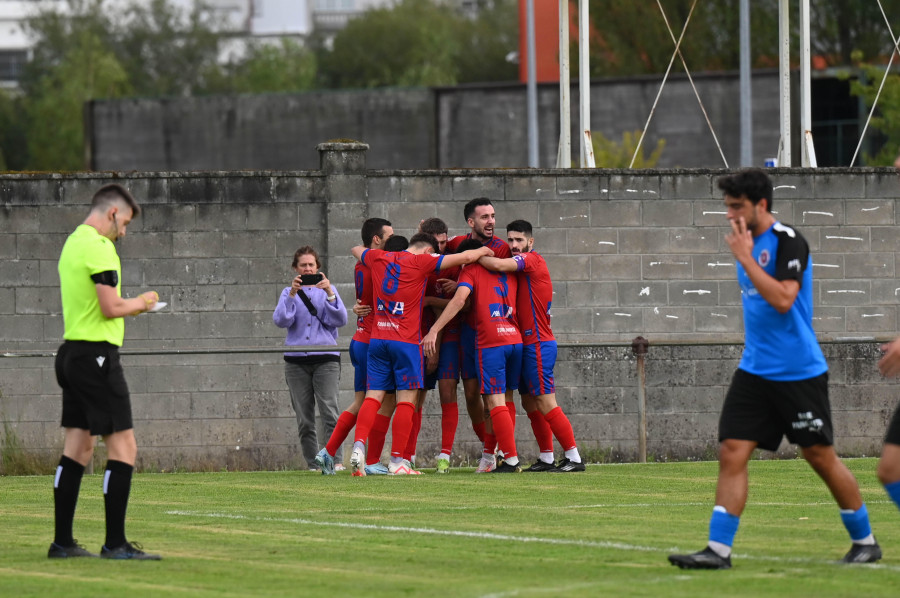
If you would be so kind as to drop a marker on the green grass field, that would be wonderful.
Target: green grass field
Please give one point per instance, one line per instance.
(606, 532)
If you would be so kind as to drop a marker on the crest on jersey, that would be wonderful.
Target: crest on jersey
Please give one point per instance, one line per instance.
(764, 257)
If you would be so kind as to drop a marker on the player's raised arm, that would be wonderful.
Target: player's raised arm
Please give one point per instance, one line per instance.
(498, 264)
(462, 258)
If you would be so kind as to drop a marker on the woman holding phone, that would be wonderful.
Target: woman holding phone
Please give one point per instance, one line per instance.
(312, 311)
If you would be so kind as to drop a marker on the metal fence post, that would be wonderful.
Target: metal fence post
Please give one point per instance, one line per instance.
(640, 346)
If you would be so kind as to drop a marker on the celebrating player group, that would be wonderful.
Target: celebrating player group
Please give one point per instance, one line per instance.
(432, 311)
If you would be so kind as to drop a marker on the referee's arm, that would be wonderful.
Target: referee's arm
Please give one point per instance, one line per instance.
(113, 306)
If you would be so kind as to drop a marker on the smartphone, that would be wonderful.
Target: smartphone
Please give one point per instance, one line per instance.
(311, 280)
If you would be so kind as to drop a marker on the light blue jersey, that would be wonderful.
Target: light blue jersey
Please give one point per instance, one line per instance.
(780, 346)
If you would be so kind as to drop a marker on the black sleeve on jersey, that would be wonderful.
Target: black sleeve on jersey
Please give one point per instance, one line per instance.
(110, 278)
(793, 256)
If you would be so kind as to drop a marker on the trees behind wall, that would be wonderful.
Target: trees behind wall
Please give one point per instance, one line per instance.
(103, 49)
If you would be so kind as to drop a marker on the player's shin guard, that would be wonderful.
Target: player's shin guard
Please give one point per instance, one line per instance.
(365, 419)
(345, 423)
(449, 423)
(506, 436)
(403, 423)
(376, 438)
(541, 430)
(893, 490)
(116, 488)
(857, 524)
(66, 485)
(562, 428)
(511, 407)
(480, 429)
(722, 528)
(410, 450)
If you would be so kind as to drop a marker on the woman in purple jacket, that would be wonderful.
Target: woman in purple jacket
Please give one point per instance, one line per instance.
(312, 311)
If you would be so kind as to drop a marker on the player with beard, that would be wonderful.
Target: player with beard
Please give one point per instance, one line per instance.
(533, 301)
(480, 216)
(498, 347)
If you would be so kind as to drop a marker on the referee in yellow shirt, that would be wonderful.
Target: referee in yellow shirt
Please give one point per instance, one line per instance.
(95, 400)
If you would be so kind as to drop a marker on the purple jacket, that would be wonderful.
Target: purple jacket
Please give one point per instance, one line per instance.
(305, 329)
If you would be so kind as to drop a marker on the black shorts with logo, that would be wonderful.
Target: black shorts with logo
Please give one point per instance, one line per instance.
(893, 431)
(765, 410)
(95, 395)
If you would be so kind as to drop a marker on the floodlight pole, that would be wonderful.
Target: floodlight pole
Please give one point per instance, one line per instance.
(533, 161)
(564, 153)
(746, 89)
(584, 87)
(808, 152)
(784, 77)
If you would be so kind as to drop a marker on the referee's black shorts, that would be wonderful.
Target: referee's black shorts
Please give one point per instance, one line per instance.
(95, 395)
(765, 410)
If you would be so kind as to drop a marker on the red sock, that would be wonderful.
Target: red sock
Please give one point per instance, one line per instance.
(449, 422)
(511, 406)
(376, 438)
(490, 443)
(344, 424)
(479, 429)
(503, 428)
(403, 423)
(365, 418)
(413, 436)
(542, 432)
(562, 428)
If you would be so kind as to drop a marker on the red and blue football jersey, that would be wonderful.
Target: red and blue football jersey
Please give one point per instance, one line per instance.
(492, 305)
(398, 286)
(534, 297)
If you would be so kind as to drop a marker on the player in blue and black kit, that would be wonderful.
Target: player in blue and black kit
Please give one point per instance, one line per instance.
(781, 384)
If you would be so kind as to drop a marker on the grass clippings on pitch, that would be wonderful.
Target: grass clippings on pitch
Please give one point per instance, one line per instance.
(605, 532)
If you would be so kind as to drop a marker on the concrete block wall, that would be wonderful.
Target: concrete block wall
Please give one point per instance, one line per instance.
(631, 252)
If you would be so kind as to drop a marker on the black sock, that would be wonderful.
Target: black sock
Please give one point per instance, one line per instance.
(66, 485)
(116, 486)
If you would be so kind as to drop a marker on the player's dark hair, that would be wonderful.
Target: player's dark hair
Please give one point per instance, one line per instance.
(470, 206)
(424, 239)
(520, 226)
(371, 228)
(111, 193)
(469, 244)
(752, 183)
(306, 250)
(396, 243)
(433, 226)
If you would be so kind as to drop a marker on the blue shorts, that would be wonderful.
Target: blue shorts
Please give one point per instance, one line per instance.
(448, 361)
(468, 366)
(359, 357)
(500, 368)
(395, 365)
(538, 360)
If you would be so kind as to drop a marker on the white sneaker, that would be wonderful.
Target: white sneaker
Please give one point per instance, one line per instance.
(358, 463)
(486, 465)
(402, 468)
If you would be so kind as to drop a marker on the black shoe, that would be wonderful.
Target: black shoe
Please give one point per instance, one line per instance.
(128, 551)
(541, 466)
(705, 559)
(67, 552)
(567, 466)
(507, 468)
(863, 553)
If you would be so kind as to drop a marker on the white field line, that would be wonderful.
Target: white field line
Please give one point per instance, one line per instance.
(505, 537)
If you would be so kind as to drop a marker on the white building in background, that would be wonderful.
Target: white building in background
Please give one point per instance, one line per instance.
(244, 19)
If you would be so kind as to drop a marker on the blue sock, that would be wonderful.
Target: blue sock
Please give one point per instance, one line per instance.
(857, 523)
(893, 490)
(723, 526)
